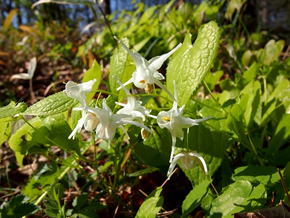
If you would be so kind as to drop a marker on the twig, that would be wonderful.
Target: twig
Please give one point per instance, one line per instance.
(284, 184)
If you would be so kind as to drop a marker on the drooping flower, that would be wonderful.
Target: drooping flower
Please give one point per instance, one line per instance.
(175, 122)
(79, 91)
(109, 122)
(187, 160)
(146, 72)
(133, 107)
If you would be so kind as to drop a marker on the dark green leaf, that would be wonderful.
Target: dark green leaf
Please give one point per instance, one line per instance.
(18, 207)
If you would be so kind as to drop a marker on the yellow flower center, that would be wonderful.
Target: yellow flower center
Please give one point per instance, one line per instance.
(166, 119)
(142, 81)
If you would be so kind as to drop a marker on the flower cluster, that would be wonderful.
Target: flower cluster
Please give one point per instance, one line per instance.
(104, 122)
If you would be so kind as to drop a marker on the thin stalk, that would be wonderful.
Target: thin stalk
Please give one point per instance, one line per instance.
(208, 89)
(284, 184)
(40, 199)
(255, 151)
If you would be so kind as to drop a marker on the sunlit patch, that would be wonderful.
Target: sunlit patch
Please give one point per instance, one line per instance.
(166, 119)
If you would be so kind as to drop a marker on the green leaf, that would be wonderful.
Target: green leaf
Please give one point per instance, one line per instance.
(5, 129)
(212, 78)
(193, 199)
(281, 135)
(233, 196)
(19, 207)
(271, 52)
(121, 66)
(191, 63)
(51, 105)
(93, 73)
(253, 90)
(255, 200)
(143, 172)
(12, 109)
(41, 134)
(257, 174)
(251, 73)
(42, 180)
(155, 151)
(152, 205)
(210, 144)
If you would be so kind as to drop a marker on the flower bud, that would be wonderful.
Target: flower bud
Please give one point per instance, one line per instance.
(144, 134)
(91, 121)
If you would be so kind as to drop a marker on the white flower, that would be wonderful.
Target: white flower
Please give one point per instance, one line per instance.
(109, 122)
(133, 107)
(175, 122)
(146, 71)
(79, 91)
(187, 161)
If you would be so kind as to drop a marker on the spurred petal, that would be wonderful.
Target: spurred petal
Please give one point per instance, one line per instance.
(157, 62)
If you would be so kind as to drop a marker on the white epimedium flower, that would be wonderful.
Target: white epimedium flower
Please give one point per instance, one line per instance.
(109, 122)
(187, 160)
(79, 91)
(146, 71)
(175, 122)
(133, 107)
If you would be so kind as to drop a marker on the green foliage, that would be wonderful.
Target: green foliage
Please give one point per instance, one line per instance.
(51, 105)
(192, 62)
(93, 73)
(152, 204)
(12, 109)
(194, 197)
(122, 67)
(19, 206)
(239, 79)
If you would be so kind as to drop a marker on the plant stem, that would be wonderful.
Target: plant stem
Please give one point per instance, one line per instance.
(40, 199)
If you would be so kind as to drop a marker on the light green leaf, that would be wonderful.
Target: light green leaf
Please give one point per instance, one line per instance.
(93, 73)
(257, 174)
(281, 135)
(191, 63)
(193, 199)
(271, 52)
(233, 196)
(51, 105)
(251, 73)
(253, 90)
(41, 134)
(152, 205)
(255, 200)
(212, 78)
(12, 109)
(121, 66)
